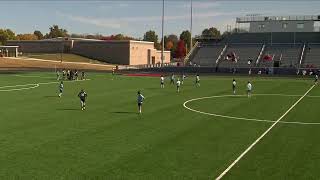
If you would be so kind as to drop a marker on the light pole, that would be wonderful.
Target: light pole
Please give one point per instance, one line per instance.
(162, 51)
(191, 8)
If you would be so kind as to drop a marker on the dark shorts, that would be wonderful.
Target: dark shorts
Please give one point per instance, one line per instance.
(61, 90)
(162, 83)
(139, 104)
(83, 100)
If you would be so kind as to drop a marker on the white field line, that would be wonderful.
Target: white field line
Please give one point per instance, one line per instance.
(19, 89)
(259, 139)
(249, 119)
(27, 76)
(63, 62)
(2, 88)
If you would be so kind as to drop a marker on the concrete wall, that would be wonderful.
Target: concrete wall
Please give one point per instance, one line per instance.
(115, 52)
(278, 26)
(144, 53)
(38, 46)
(279, 37)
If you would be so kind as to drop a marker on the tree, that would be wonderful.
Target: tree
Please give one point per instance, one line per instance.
(211, 33)
(38, 34)
(181, 50)
(116, 37)
(25, 37)
(186, 37)
(173, 38)
(55, 32)
(151, 36)
(169, 45)
(5, 35)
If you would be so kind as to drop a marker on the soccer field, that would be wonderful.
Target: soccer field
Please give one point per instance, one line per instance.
(198, 133)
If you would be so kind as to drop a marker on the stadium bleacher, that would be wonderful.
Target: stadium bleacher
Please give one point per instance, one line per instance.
(244, 52)
(312, 56)
(288, 55)
(206, 54)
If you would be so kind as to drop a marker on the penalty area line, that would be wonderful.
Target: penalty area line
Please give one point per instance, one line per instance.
(263, 135)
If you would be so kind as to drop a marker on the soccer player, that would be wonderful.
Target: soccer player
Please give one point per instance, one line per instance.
(83, 75)
(234, 83)
(161, 82)
(140, 101)
(172, 79)
(82, 95)
(249, 89)
(58, 75)
(113, 73)
(64, 73)
(76, 75)
(61, 88)
(198, 80)
(316, 79)
(182, 78)
(178, 85)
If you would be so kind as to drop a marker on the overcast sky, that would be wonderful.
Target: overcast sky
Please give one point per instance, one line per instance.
(133, 18)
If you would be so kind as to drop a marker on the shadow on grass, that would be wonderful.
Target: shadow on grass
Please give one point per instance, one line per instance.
(51, 96)
(69, 109)
(124, 112)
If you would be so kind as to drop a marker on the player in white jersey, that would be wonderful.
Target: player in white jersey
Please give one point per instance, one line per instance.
(198, 80)
(140, 99)
(183, 77)
(58, 75)
(161, 82)
(178, 85)
(234, 84)
(83, 96)
(249, 89)
(316, 79)
(172, 79)
(61, 88)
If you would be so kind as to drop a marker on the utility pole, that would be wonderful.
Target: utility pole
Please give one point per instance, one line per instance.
(162, 51)
(191, 9)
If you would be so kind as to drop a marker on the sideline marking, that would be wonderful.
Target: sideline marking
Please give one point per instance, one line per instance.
(265, 133)
(249, 119)
(19, 89)
(23, 86)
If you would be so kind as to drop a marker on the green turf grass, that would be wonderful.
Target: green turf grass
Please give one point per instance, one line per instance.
(46, 137)
(65, 57)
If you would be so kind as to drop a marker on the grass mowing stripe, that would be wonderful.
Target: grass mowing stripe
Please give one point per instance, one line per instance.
(265, 133)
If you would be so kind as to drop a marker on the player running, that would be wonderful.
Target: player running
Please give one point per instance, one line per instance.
(249, 89)
(316, 79)
(161, 82)
(140, 101)
(61, 88)
(197, 80)
(182, 78)
(178, 85)
(172, 79)
(58, 75)
(83, 96)
(113, 73)
(234, 84)
(83, 75)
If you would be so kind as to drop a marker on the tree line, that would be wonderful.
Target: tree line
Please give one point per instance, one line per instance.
(177, 45)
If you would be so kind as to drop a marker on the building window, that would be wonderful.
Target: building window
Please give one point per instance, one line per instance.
(261, 26)
(300, 25)
(284, 25)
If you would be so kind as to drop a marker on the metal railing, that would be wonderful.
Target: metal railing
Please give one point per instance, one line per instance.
(260, 54)
(186, 59)
(221, 54)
